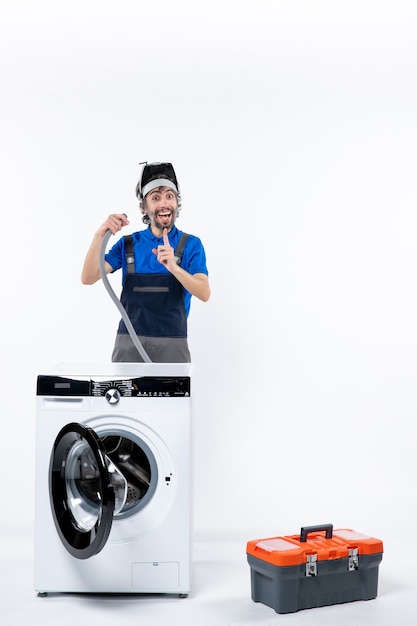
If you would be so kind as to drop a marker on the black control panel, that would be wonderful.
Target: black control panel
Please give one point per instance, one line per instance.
(140, 387)
(146, 387)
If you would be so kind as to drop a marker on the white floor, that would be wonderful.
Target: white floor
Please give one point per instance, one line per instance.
(220, 593)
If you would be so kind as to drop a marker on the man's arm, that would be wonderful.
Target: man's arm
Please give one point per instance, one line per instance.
(91, 269)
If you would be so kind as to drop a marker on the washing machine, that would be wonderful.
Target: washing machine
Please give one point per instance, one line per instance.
(113, 482)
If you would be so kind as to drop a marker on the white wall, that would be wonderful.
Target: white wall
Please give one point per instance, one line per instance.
(292, 128)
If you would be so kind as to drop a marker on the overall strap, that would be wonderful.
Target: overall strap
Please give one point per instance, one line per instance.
(180, 248)
(130, 256)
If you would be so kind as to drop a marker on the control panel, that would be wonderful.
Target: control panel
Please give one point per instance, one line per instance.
(140, 387)
(145, 386)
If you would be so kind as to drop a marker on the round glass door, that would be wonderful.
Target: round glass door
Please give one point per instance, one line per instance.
(86, 490)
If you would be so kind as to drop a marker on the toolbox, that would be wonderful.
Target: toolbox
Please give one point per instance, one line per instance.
(318, 567)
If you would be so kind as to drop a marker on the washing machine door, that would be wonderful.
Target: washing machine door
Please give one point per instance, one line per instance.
(82, 491)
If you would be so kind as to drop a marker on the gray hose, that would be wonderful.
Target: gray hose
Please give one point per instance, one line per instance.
(117, 302)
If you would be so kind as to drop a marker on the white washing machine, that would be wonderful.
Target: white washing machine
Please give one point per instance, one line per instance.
(113, 479)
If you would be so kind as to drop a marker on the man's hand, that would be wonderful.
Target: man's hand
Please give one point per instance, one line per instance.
(165, 252)
(114, 222)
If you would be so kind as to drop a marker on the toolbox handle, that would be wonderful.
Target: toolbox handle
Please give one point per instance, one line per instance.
(316, 529)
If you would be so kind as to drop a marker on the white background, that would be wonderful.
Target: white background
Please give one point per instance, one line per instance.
(292, 129)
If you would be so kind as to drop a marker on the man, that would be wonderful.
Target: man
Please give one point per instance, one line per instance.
(162, 267)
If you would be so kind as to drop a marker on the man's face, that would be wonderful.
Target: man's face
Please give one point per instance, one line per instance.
(161, 207)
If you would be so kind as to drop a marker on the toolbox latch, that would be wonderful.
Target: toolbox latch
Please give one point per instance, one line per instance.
(311, 565)
(353, 563)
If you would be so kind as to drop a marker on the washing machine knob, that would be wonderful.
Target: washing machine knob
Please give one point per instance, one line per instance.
(113, 395)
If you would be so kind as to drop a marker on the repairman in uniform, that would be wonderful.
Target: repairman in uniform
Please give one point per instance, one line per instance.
(162, 268)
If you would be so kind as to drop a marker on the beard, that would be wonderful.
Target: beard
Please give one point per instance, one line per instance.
(164, 222)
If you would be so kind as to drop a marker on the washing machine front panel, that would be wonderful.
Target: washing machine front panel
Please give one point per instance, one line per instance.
(147, 548)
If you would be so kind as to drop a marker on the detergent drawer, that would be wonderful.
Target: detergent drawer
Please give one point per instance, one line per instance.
(317, 568)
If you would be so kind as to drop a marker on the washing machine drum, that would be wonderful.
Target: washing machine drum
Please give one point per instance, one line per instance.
(86, 490)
